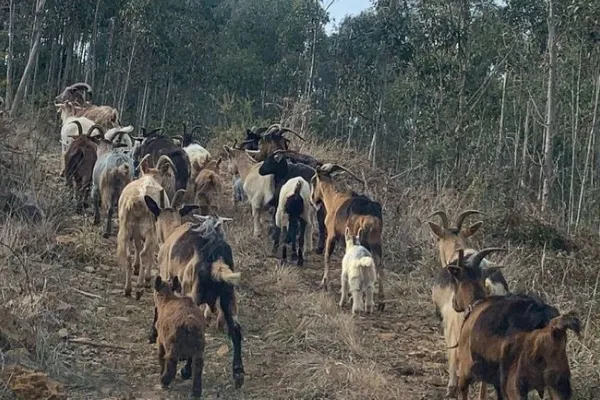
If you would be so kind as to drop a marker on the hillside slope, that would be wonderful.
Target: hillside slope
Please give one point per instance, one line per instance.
(61, 281)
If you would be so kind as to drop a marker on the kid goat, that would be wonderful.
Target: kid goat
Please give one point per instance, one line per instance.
(358, 274)
(180, 325)
(199, 256)
(348, 210)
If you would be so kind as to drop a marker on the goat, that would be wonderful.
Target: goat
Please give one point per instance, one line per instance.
(180, 335)
(76, 93)
(348, 210)
(207, 188)
(79, 163)
(258, 188)
(197, 154)
(105, 116)
(272, 140)
(537, 360)
(488, 321)
(358, 274)
(202, 260)
(450, 239)
(69, 131)
(158, 145)
(253, 136)
(120, 135)
(276, 164)
(294, 206)
(112, 172)
(136, 223)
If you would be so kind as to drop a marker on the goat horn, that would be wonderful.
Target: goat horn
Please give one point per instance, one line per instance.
(271, 129)
(194, 128)
(178, 198)
(184, 128)
(179, 137)
(443, 216)
(80, 85)
(477, 258)
(201, 218)
(344, 169)
(79, 127)
(164, 158)
(153, 131)
(161, 199)
(93, 128)
(143, 162)
(284, 130)
(463, 215)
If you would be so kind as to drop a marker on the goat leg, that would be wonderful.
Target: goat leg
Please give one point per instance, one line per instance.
(153, 332)
(330, 246)
(344, 291)
(301, 242)
(96, 203)
(198, 366)
(109, 216)
(161, 357)
(186, 371)
(170, 370)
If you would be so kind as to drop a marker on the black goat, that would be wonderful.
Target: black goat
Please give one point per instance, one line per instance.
(159, 145)
(282, 170)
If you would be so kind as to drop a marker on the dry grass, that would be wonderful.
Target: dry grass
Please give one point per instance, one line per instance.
(298, 343)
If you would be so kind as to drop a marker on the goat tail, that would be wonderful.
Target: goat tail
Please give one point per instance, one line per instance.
(564, 322)
(222, 273)
(367, 225)
(298, 187)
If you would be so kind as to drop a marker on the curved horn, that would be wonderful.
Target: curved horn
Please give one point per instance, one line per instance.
(271, 129)
(337, 167)
(463, 215)
(80, 85)
(444, 218)
(153, 131)
(93, 128)
(184, 128)
(143, 162)
(178, 137)
(477, 258)
(178, 198)
(194, 128)
(284, 130)
(79, 127)
(165, 159)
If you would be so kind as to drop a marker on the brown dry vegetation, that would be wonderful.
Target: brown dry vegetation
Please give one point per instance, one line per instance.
(298, 344)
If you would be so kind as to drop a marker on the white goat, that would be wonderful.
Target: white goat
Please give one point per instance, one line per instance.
(295, 214)
(358, 274)
(123, 138)
(198, 156)
(258, 188)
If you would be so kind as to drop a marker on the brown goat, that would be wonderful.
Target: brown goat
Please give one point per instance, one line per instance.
(136, 222)
(449, 240)
(180, 325)
(106, 116)
(348, 210)
(207, 188)
(489, 322)
(79, 164)
(538, 360)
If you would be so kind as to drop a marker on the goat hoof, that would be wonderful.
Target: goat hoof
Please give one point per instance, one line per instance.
(139, 293)
(136, 270)
(381, 306)
(96, 222)
(300, 262)
(238, 378)
(451, 392)
(186, 373)
(106, 235)
(319, 250)
(127, 292)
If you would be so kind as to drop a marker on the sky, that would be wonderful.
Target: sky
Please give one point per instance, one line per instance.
(340, 8)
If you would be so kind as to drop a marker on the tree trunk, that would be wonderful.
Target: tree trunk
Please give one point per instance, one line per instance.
(500, 143)
(550, 110)
(9, 55)
(588, 152)
(574, 134)
(166, 105)
(128, 76)
(92, 57)
(32, 57)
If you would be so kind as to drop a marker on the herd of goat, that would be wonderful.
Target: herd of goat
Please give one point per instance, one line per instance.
(515, 342)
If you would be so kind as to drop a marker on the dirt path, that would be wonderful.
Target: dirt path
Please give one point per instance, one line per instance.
(297, 342)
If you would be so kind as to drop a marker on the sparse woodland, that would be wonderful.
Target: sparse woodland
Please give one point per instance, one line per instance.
(451, 105)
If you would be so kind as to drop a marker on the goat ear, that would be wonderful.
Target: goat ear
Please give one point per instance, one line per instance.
(157, 283)
(455, 271)
(176, 284)
(219, 162)
(152, 206)
(185, 210)
(470, 231)
(347, 232)
(436, 229)
(359, 233)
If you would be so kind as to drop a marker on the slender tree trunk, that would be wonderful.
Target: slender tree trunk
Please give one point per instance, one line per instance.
(550, 110)
(166, 105)
(69, 34)
(9, 55)
(128, 76)
(92, 58)
(462, 60)
(500, 143)
(525, 154)
(574, 134)
(39, 10)
(108, 67)
(588, 152)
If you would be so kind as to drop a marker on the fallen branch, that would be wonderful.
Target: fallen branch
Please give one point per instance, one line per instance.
(90, 295)
(95, 344)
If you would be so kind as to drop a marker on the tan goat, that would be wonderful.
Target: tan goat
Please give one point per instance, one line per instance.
(136, 222)
(208, 188)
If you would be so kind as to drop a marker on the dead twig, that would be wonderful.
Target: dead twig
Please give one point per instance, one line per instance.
(88, 342)
(87, 294)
